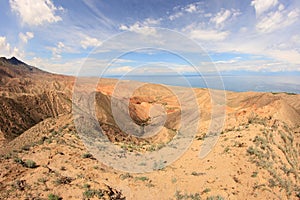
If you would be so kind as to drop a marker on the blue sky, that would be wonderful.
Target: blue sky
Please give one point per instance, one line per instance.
(58, 35)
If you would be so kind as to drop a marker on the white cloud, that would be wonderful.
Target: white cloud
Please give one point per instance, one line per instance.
(86, 67)
(224, 15)
(35, 12)
(211, 35)
(175, 16)
(191, 8)
(139, 28)
(264, 46)
(181, 11)
(277, 20)
(226, 61)
(145, 27)
(57, 50)
(7, 50)
(90, 42)
(263, 5)
(280, 7)
(151, 21)
(253, 65)
(60, 45)
(69, 67)
(24, 37)
(290, 56)
(119, 70)
(17, 53)
(4, 46)
(221, 17)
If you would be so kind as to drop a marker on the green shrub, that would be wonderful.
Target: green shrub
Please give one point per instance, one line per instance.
(254, 174)
(125, 176)
(42, 180)
(30, 164)
(218, 197)
(19, 160)
(142, 178)
(87, 155)
(206, 190)
(179, 196)
(53, 197)
(63, 180)
(90, 193)
(7, 156)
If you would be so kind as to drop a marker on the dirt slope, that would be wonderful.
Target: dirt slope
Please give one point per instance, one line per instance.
(256, 157)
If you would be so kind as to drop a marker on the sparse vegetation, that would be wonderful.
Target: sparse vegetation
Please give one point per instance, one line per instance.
(142, 178)
(125, 176)
(90, 193)
(27, 163)
(42, 180)
(226, 150)
(262, 154)
(174, 180)
(149, 185)
(206, 190)
(19, 185)
(100, 193)
(180, 196)
(53, 197)
(30, 164)
(7, 156)
(254, 174)
(87, 155)
(197, 173)
(218, 197)
(63, 180)
(19, 160)
(262, 138)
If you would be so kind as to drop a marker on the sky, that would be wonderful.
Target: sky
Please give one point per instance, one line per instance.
(64, 36)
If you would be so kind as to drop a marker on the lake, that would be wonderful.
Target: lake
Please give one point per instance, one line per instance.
(236, 83)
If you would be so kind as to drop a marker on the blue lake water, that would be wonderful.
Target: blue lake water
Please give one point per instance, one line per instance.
(236, 83)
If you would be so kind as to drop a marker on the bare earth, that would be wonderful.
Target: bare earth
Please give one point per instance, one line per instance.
(257, 155)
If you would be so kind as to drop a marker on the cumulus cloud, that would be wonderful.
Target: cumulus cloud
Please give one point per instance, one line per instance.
(144, 27)
(4, 46)
(263, 5)
(277, 20)
(290, 56)
(182, 11)
(221, 17)
(35, 12)
(7, 50)
(191, 8)
(71, 67)
(120, 70)
(139, 28)
(90, 42)
(207, 35)
(151, 21)
(57, 50)
(175, 16)
(251, 65)
(24, 37)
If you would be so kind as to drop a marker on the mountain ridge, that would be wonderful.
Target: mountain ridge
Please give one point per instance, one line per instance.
(256, 157)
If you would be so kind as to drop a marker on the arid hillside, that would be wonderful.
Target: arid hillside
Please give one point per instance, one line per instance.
(29, 95)
(43, 156)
